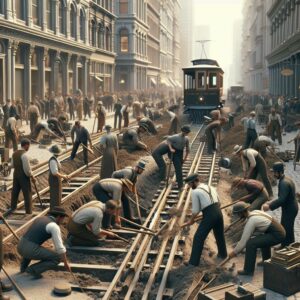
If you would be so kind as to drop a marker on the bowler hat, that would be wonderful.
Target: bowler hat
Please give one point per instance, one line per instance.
(191, 178)
(186, 129)
(240, 207)
(58, 211)
(237, 149)
(55, 149)
(141, 165)
(107, 127)
(24, 142)
(278, 167)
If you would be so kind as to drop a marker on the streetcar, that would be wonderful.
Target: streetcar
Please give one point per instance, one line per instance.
(203, 88)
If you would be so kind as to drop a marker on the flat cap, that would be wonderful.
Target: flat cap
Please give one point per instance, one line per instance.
(191, 178)
(278, 167)
(186, 129)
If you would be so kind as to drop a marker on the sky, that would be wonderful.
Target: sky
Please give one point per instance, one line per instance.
(220, 16)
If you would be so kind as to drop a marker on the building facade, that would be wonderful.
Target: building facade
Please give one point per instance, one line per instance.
(284, 54)
(255, 77)
(55, 45)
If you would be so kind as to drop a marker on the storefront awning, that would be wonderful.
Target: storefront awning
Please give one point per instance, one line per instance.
(98, 78)
(153, 81)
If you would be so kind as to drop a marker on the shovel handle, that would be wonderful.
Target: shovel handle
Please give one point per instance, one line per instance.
(10, 229)
(226, 260)
(137, 225)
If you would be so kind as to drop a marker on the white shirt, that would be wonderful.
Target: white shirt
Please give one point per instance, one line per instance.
(201, 197)
(25, 164)
(53, 229)
(258, 222)
(12, 123)
(171, 115)
(251, 154)
(54, 166)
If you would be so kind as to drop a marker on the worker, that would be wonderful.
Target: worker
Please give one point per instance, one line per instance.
(174, 122)
(101, 115)
(287, 201)
(257, 166)
(146, 121)
(174, 146)
(109, 144)
(262, 143)
(130, 173)
(259, 112)
(57, 125)
(118, 114)
(275, 126)
(30, 245)
(296, 141)
(3, 287)
(205, 199)
(11, 132)
(131, 139)
(215, 114)
(85, 225)
(55, 177)
(33, 114)
(256, 195)
(213, 134)
(251, 134)
(22, 177)
(115, 189)
(260, 232)
(125, 112)
(82, 137)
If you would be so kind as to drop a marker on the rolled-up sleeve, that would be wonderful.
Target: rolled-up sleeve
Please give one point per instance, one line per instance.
(26, 165)
(53, 229)
(96, 225)
(247, 233)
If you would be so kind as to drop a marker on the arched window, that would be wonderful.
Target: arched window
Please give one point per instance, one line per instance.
(62, 16)
(107, 39)
(100, 35)
(82, 25)
(50, 8)
(123, 7)
(73, 21)
(20, 6)
(124, 40)
(93, 33)
(36, 12)
(1, 7)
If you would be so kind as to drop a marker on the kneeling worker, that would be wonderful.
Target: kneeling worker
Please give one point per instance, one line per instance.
(261, 231)
(205, 199)
(85, 225)
(41, 230)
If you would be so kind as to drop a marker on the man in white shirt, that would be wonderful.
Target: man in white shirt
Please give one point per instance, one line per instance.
(30, 245)
(205, 199)
(257, 165)
(174, 125)
(275, 126)
(85, 226)
(11, 132)
(260, 232)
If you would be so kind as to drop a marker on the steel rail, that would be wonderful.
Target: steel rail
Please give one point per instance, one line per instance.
(153, 216)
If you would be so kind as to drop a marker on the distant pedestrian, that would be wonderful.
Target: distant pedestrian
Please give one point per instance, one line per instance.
(296, 141)
(101, 116)
(118, 114)
(275, 126)
(251, 134)
(287, 201)
(213, 134)
(11, 132)
(125, 112)
(33, 114)
(71, 106)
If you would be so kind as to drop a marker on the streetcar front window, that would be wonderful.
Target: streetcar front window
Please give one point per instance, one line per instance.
(212, 80)
(201, 80)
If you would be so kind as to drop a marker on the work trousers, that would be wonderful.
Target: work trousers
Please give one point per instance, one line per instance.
(81, 236)
(23, 184)
(48, 259)
(101, 122)
(275, 131)
(126, 119)
(55, 187)
(118, 116)
(297, 149)
(33, 120)
(288, 217)
(274, 235)
(262, 198)
(212, 220)
(211, 141)
(174, 126)
(261, 169)
(251, 136)
(84, 151)
(10, 136)
(72, 113)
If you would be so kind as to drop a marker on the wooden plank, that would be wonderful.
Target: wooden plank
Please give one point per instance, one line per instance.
(97, 250)
(94, 288)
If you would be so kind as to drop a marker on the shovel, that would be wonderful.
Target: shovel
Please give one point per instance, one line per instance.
(137, 225)
(38, 194)
(10, 229)
(169, 169)
(138, 231)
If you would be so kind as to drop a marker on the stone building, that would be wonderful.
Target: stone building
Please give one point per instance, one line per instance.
(55, 45)
(284, 54)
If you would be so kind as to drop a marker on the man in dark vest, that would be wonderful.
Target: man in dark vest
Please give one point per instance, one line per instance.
(30, 245)
(21, 177)
(287, 201)
(55, 177)
(260, 232)
(118, 114)
(82, 137)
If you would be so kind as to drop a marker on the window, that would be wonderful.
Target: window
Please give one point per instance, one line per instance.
(100, 36)
(2, 7)
(73, 21)
(82, 25)
(212, 80)
(62, 16)
(123, 7)
(107, 39)
(49, 14)
(201, 80)
(20, 6)
(124, 40)
(35, 12)
(93, 33)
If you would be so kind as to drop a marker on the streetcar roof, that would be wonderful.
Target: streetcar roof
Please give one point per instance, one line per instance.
(199, 67)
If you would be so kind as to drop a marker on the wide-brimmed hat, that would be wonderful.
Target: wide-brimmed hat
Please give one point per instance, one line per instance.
(240, 207)
(55, 149)
(58, 211)
(237, 149)
(141, 165)
(186, 129)
(100, 102)
(191, 178)
(252, 113)
(128, 184)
